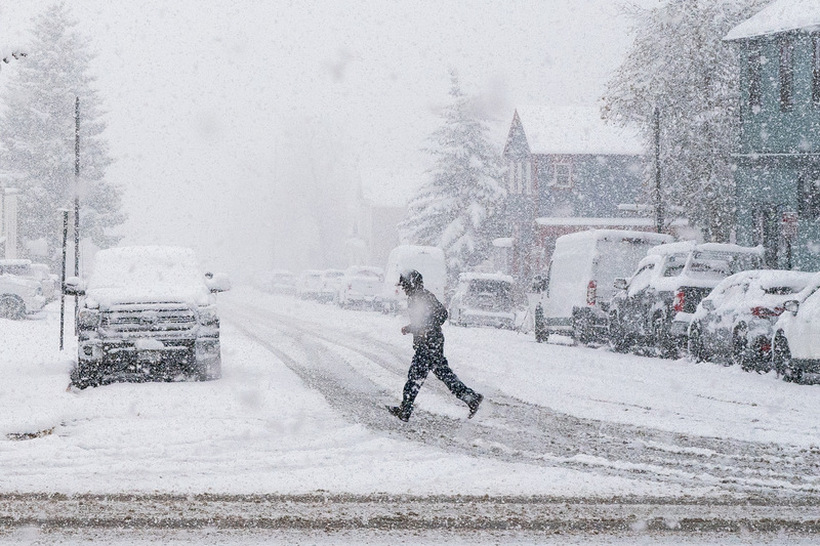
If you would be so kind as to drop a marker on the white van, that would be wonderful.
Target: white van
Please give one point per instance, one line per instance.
(573, 298)
(427, 260)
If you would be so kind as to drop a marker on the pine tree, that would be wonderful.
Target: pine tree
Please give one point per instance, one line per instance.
(459, 205)
(680, 65)
(37, 136)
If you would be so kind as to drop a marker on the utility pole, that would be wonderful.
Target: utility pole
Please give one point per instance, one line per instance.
(62, 276)
(658, 198)
(76, 199)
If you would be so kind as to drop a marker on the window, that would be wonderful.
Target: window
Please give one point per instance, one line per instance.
(808, 204)
(815, 73)
(755, 76)
(786, 74)
(562, 175)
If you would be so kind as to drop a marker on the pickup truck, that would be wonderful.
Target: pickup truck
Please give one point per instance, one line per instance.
(146, 314)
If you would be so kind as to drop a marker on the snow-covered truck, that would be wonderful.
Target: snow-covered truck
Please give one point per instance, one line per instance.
(147, 314)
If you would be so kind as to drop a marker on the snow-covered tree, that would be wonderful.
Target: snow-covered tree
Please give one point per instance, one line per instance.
(459, 205)
(680, 66)
(37, 136)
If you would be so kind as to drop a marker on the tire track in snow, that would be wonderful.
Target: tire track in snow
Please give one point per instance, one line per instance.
(516, 431)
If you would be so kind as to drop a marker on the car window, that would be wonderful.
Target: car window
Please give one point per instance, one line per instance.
(641, 278)
(674, 265)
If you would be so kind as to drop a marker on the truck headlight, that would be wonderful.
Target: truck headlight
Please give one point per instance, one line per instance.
(208, 316)
(88, 319)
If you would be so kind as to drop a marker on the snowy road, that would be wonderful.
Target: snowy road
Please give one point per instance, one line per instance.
(356, 373)
(295, 437)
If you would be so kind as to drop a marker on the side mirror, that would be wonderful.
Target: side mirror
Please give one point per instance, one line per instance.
(791, 306)
(539, 284)
(619, 283)
(74, 286)
(217, 283)
(708, 304)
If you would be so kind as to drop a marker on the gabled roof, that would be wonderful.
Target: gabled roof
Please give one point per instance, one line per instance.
(574, 130)
(779, 16)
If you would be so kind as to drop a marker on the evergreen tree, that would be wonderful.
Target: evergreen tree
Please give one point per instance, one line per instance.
(459, 206)
(680, 65)
(37, 136)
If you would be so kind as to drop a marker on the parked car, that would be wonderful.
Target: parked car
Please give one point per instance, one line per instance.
(331, 284)
(654, 307)
(49, 281)
(21, 293)
(146, 314)
(276, 281)
(309, 286)
(485, 299)
(427, 260)
(573, 296)
(735, 322)
(795, 347)
(361, 286)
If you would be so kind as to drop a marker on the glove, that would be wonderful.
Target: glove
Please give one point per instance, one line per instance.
(405, 330)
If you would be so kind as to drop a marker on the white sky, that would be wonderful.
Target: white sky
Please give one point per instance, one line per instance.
(225, 115)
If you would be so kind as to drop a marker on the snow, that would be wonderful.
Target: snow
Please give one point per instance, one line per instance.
(779, 16)
(601, 222)
(262, 429)
(146, 274)
(574, 130)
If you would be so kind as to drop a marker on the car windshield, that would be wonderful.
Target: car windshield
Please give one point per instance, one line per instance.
(715, 264)
(16, 269)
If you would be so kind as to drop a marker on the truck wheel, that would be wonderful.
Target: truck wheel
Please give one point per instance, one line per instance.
(83, 377)
(740, 345)
(12, 307)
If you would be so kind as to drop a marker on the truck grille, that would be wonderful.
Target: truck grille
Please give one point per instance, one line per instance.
(141, 319)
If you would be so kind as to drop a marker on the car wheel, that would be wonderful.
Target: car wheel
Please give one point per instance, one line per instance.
(661, 337)
(740, 348)
(82, 377)
(541, 334)
(580, 330)
(12, 307)
(694, 344)
(618, 338)
(781, 356)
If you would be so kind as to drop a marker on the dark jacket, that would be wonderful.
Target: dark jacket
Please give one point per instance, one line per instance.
(427, 314)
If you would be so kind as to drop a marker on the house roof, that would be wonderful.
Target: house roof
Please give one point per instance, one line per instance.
(575, 130)
(779, 16)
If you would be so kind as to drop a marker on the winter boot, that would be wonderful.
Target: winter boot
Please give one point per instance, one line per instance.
(473, 404)
(398, 412)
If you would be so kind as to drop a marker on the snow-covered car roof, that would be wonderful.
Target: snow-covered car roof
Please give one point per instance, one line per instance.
(500, 277)
(766, 287)
(354, 270)
(680, 247)
(730, 248)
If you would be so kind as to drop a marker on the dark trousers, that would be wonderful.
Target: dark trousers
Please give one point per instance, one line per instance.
(425, 360)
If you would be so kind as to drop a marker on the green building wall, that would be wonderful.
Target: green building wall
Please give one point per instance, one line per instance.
(779, 151)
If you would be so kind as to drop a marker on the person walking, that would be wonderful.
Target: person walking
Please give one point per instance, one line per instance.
(427, 314)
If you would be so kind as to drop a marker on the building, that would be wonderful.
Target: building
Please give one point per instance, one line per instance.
(566, 170)
(778, 158)
(373, 232)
